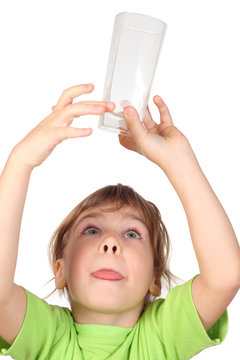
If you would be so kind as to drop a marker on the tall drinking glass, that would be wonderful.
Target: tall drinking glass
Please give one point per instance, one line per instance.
(135, 47)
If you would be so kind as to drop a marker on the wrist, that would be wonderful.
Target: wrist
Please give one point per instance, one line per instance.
(182, 169)
(17, 159)
(178, 159)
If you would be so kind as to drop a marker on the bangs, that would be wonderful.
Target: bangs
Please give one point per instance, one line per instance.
(117, 197)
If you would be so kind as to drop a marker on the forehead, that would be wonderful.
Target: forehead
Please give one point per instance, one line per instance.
(109, 210)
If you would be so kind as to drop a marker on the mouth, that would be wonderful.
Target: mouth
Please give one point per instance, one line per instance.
(107, 274)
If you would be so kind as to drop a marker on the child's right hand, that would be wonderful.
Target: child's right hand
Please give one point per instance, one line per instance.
(37, 145)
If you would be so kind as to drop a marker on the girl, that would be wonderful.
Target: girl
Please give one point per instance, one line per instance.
(110, 254)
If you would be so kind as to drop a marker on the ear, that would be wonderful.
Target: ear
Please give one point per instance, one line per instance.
(60, 280)
(155, 289)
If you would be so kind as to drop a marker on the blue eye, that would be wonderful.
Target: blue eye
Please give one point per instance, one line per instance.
(91, 231)
(133, 234)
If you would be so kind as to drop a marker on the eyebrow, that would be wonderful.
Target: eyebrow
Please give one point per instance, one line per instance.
(100, 215)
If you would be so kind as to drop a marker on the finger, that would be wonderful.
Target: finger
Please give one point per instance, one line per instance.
(127, 142)
(148, 121)
(108, 105)
(71, 93)
(134, 124)
(148, 115)
(71, 132)
(66, 115)
(84, 108)
(165, 116)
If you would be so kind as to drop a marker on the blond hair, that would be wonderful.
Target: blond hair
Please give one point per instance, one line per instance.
(119, 195)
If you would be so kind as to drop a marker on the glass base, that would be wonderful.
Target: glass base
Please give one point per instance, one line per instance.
(113, 122)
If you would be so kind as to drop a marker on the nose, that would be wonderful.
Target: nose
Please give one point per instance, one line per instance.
(110, 245)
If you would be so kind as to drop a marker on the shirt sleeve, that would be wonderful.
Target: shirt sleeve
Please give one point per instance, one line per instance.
(179, 328)
(40, 330)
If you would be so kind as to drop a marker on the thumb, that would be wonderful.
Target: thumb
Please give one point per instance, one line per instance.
(134, 125)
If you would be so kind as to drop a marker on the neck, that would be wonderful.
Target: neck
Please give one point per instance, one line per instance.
(127, 318)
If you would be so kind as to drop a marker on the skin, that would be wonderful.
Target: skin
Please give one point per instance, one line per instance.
(164, 145)
(96, 301)
(170, 150)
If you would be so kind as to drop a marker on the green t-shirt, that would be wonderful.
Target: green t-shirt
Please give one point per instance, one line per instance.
(167, 329)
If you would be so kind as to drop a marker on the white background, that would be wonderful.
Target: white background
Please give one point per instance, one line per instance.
(48, 46)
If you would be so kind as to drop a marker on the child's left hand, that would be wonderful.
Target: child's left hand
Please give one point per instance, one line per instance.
(160, 143)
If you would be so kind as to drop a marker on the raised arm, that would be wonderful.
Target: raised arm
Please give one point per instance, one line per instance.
(26, 155)
(14, 182)
(214, 241)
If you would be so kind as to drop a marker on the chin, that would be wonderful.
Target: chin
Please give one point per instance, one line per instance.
(107, 304)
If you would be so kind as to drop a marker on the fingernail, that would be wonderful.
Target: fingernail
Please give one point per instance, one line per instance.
(129, 110)
(109, 105)
(86, 130)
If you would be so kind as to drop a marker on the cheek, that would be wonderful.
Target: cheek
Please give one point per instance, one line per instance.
(141, 262)
(78, 261)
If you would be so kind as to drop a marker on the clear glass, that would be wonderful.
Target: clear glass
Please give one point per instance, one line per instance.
(134, 52)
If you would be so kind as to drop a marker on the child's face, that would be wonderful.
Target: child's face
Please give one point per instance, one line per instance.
(113, 240)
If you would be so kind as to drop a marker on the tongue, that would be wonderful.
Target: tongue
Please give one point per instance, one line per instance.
(107, 275)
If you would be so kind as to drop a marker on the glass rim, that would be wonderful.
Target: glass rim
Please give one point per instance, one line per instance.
(143, 15)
